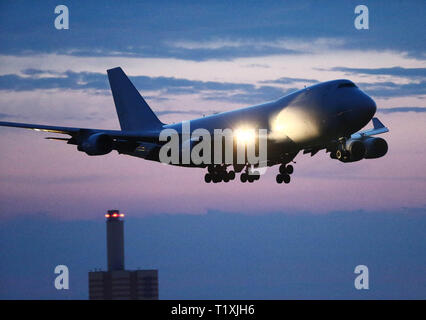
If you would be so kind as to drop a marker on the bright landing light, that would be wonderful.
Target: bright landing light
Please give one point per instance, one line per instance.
(245, 136)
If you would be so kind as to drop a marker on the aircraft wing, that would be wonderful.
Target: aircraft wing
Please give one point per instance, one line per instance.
(378, 128)
(143, 136)
(38, 127)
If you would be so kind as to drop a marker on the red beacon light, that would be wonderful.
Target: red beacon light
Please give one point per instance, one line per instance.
(114, 214)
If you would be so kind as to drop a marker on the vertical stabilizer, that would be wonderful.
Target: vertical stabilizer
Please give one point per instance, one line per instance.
(132, 110)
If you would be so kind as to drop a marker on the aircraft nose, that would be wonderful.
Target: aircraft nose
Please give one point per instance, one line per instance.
(366, 108)
(356, 109)
(369, 107)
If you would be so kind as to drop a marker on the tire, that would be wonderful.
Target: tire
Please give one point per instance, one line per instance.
(231, 175)
(279, 178)
(282, 169)
(225, 178)
(243, 177)
(286, 178)
(289, 169)
(208, 178)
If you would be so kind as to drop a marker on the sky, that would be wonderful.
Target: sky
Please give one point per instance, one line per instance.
(188, 59)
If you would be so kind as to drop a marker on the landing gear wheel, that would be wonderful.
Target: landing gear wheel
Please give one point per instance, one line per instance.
(279, 178)
(208, 178)
(286, 178)
(216, 179)
(243, 177)
(231, 175)
(225, 178)
(286, 169)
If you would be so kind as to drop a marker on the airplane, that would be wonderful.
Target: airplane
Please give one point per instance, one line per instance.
(326, 115)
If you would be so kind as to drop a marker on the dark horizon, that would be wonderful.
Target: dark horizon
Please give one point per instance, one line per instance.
(226, 256)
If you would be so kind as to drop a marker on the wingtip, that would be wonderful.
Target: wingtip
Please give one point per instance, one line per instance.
(377, 123)
(114, 69)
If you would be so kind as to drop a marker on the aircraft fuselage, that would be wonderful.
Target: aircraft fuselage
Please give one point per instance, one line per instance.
(303, 119)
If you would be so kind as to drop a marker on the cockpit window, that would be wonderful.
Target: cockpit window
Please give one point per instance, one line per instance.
(347, 85)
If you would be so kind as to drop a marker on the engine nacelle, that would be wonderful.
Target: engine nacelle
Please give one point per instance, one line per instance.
(356, 149)
(375, 148)
(352, 150)
(97, 144)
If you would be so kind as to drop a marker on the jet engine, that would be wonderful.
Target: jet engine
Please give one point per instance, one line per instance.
(375, 148)
(96, 144)
(349, 151)
(358, 149)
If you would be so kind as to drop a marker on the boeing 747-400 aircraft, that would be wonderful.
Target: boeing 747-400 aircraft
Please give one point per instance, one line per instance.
(326, 116)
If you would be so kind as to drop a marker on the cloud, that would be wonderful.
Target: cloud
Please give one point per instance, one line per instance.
(163, 88)
(391, 89)
(388, 89)
(34, 79)
(174, 111)
(287, 80)
(208, 30)
(5, 115)
(402, 109)
(255, 95)
(413, 73)
(236, 48)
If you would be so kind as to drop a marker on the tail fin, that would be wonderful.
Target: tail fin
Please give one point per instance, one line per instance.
(132, 110)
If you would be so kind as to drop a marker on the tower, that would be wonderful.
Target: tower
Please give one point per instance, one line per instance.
(118, 283)
(115, 240)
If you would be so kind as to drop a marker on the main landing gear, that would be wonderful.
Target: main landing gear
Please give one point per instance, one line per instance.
(246, 177)
(217, 174)
(285, 172)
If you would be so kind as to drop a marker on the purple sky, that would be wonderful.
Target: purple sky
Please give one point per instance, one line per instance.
(59, 78)
(52, 177)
